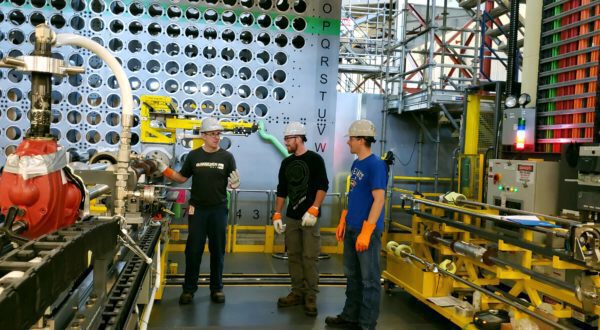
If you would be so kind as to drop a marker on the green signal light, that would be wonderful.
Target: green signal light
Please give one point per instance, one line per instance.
(516, 189)
(500, 187)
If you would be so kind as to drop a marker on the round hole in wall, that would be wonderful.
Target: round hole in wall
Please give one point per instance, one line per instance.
(282, 5)
(96, 24)
(262, 75)
(207, 107)
(94, 80)
(58, 21)
(225, 143)
(115, 44)
(93, 118)
(113, 100)
(191, 51)
(172, 49)
(264, 21)
(282, 22)
(300, 6)
(281, 40)
(192, 14)
(228, 17)
(74, 98)
(299, 24)
(226, 90)
(154, 47)
(134, 65)
(74, 117)
(136, 8)
(75, 80)
(227, 54)
(278, 93)
(153, 66)
(16, 17)
(152, 84)
(92, 137)
(14, 95)
(211, 16)
(226, 72)
(73, 136)
(189, 106)
(209, 52)
(261, 92)
(135, 27)
(244, 73)
(14, 114)
(208, 89)
(228, 35)
(112, 138)
(174, 12)
(245, 55)
(243, 109)
(210, 34)
(261, 110)
(113, 119)
(244, 91)
(263, 57)
(190, 69)
(134, 46)
(192, 32)
(172, 68)
(154, 29)
(225, 108)
(246, 37)
(265, 4)
(13, 133)
(171, 86)
(246, 19)
(173, 30)
(209, 70)
(190, 87)
(247, 3)
(155, 10)
(279, 76)
(264, 39)
(55, 97)
(116, 26)
(298, 42)
(280, 58)
(94, 99)
(36, 18)
(77, 23)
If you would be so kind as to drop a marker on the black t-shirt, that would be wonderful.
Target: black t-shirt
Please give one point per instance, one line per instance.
(209, 172)
(299, 179)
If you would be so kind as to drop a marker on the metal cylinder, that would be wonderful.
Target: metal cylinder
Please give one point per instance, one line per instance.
(40, 114)
(513, 51)
(98, 190)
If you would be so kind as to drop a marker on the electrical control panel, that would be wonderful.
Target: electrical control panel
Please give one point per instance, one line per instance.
(524, 185)
(518, 128)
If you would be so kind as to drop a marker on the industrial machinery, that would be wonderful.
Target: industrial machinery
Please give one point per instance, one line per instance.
(458, 263)
(588, 181)
(523, 185)
(63, 261)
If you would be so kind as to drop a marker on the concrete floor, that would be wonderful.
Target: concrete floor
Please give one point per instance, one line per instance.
(255, 306)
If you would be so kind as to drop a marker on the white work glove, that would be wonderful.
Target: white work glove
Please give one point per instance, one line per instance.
(234, 180)
(310, 217)
(277, 223)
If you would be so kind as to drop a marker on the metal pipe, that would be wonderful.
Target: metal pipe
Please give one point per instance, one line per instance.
(98, 190)
(513, 51)
(420, 142)
(41, 87)
(436, 174)
(515, 211)
(435, 267)
(534, 274)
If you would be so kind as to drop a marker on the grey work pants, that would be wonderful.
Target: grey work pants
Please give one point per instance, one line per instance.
(303, 247)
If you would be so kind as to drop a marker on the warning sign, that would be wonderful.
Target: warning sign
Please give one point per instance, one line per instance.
(525, 174)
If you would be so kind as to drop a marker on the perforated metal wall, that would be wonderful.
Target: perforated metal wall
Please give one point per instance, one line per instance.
(274, 61)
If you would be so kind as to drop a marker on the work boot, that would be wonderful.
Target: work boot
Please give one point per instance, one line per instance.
(340, 322)
(310, 305)
(217, 297)
(186, 298)
(291, 299)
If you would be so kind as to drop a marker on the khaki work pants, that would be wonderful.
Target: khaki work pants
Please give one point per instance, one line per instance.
(303, 247)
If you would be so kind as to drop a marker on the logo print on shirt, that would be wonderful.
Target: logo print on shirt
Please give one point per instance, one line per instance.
(219, 166)
(357, 175)
(297, 179)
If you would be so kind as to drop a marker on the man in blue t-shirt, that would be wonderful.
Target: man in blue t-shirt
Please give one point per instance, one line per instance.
(360, 229)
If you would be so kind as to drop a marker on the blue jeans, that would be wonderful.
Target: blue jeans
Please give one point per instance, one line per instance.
(363, 271)
(206, 222)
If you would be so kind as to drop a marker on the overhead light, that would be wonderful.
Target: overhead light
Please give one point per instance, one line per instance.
(524, 99)
(510, 102)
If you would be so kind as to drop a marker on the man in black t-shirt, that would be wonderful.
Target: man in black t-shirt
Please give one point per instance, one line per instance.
(303, 181)
(212, 169)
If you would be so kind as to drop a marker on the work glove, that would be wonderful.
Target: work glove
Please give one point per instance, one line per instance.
(310, 217)
(341, 228)
(234, 180)
(164, 168)
(277, 223)
(452, 198)
(364, 238)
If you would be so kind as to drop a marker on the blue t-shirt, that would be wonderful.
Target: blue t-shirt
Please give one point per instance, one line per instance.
(366, 175)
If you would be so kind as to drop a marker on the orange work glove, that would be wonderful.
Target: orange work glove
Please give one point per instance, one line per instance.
(364, 238)
(341, 228)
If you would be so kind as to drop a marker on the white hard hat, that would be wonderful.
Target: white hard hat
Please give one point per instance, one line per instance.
(210, 124)
(362, 127)
(294, 128)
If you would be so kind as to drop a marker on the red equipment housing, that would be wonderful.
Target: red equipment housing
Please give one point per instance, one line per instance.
(50, 201)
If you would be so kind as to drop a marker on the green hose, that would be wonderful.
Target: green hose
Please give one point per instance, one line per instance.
(270, 138)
